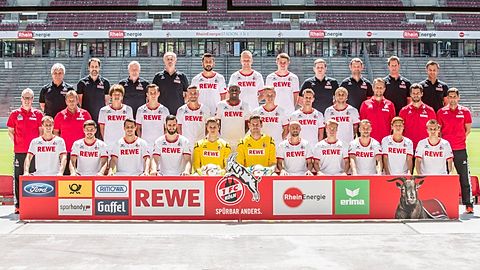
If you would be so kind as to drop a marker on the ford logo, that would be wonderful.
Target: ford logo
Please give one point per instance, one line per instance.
(111, 188)
(38, 188)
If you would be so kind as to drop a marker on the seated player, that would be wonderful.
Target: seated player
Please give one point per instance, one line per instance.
(397, 150)
(49, 150)
(130, 154)
(89, 155)
(210, 153)
(331, 155)
(294, 157)
(365, 152)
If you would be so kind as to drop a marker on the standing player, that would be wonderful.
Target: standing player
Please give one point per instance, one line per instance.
(433, 154)
(24, 124)
(285, 83)
(192, 116)
(210, 84)
(135, 88)
(365, 152)
(331, 155)
(211, 151)
(249, 81)
(346, 116)
(434, 90)
(49, 152)
(397, 86)
(323, 86)
(151, 117)
(112, 117)
(89, 155)
(397, 151)
(456, 123)
(359, 88)
(416, 116)
(171, 152)
(294, 156)
(311, 120)
(233, 114)
(93, 89)
(52, 95)
(68, 123)
(274, 118)
(256, 148)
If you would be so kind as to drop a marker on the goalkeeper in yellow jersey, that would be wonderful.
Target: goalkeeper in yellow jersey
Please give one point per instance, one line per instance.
(210, 153)
(256, 150)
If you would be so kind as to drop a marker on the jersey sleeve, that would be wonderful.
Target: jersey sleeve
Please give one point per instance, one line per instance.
(31, 148)
(241, 150)
(139, 116)
(81, 87)
(260, 83)
(351, 147)
(11, 120)
(62, 148)
(316, 153)
(409, 147)
(144, 150)
(369, 89)
(363, 111)
(295, 85)
(420, 150)
(280, 151)
(247, 111)
(321, 120)
(222, 86)
(233, 80)
(377, 149)
(102, 116)
(57, 121)
(115, 150)
(187, 147)
(306, 84)
(272, 158)
(129, 112)
(355, 115)
(106, 87)
(181, 116)
(102, 149)
(385, 145)
(41, 98)
(345, 151)
(447, 150)
(468, 116)
(197, 159)
(184, 80)
(206, 113)
(269, 80)
(75, 149)
(219, 110)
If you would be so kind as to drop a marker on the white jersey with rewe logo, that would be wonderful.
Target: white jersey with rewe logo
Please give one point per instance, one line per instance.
(210, 89)
(294, 156)
(250, 85)
(285, 87)
(171, 154)
(113, 121)
(346, 118)
(397, 153)
(365, 155)
(130, 156)
(331, 156)
(152, 122)
(47, 155)
(88, 156)
(232, 120)
(434, 157)
(193, 122)
(272, 122)
(311, 123)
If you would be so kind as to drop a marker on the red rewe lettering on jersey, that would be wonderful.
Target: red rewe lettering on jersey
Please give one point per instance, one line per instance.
(364, 154)
(126, 152)
(393, 150)
(233, 114)
(46, 149)
(194, 118)
(155, 117)
(116, 117)
(308, 122)
(247, 84)
(171, 150)
(207, 153)
(167, 198)
(282, 84)
(208, 86)
(329, 152)
(342, 118)
(295, 154)
(88, 154)
(270, 119)
(256, 152)
(433, 154)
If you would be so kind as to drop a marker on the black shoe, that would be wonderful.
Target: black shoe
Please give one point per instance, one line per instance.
(17, 210)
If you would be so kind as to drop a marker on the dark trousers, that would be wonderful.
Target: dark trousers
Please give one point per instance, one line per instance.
(67, 167)
(460, 160)
(18, 162)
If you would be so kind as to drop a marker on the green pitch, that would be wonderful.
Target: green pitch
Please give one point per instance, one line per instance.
(6, 152)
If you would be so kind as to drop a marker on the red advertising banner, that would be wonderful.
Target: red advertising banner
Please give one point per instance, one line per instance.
(232, 198)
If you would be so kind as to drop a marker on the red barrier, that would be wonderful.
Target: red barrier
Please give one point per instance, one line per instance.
(215, 198)
(6, 189)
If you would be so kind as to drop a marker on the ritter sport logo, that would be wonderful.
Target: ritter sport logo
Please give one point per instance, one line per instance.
(352, 197)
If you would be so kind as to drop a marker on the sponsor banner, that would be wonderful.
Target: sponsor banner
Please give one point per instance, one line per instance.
(111, 189)
(352, 197)
(38, 188)
(75, 189)
(107, 207)
(300, 197)
(168, 198)
(74, 207)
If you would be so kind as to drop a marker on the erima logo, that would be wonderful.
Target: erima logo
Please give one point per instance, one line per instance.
(352, 194)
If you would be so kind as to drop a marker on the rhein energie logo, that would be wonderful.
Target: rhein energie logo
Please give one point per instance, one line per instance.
(352, 197)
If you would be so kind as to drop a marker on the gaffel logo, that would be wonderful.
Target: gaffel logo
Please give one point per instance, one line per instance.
(111, 207)
(294, 197)
(230, 190)
(38, 189)
(75, 188)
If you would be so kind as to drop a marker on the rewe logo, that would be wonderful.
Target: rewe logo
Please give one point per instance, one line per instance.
(352, 197)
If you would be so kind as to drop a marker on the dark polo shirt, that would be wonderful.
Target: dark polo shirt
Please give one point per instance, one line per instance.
(93, 92)
(397, 91)
(54, 97)
(358, 91)
(433, 93)
(135, 93)
(171, 89)
(324, 91)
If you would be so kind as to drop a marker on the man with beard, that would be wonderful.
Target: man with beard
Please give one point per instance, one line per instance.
(210, 84)
(434, 90)
(330, 156)
(249, 80)
(171, 152)
(359, 88)
(294, 157)
(52, 95)
(135, 88)
(365, 152)
(378, 110)
(92, 90)
(192, 116)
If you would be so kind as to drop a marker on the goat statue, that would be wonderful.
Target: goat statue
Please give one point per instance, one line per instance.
(410, 206)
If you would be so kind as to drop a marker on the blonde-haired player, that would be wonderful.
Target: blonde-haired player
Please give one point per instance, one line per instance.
(365, 152)
(397, 150)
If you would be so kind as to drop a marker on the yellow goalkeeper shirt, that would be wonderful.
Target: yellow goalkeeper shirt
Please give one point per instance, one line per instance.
(207, 152)
(256, 152)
